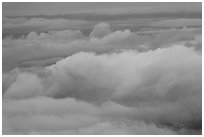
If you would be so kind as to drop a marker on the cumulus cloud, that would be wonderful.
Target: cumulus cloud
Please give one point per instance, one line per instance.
(56, 44)
(100, 30)
(108, 82)
(86, 72)
(129, 92)
(26, 81)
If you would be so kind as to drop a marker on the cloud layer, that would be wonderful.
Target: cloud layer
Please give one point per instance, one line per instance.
(102, 68)
(178, 23)
(36, 47)
(40, 24)
(129, 92)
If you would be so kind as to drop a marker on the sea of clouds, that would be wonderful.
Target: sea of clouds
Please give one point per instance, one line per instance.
(110, 82)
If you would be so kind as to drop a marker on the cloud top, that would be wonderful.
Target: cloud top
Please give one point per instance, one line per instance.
(164, 88)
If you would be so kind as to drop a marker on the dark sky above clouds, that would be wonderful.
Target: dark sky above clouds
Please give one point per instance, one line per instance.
(102, 68)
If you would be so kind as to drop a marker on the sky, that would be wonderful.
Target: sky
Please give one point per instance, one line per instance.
(119, 15)
(45, 8)
(102, 68)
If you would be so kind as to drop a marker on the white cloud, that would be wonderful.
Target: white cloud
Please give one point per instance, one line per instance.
(115, 37)
(57, 44)
(112, 82)
(100, 30)
(162, 87)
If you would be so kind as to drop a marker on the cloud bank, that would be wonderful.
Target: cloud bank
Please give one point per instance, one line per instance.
(75, 68)
(126, 92)
(48, 46)
(102, 68)
(22, 25)
(178, 22)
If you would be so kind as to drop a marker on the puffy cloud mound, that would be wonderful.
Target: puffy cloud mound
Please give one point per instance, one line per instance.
(100, 30)
(48, 46)
(130, 92)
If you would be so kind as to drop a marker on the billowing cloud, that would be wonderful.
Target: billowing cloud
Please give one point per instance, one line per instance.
(100, 30)
(129, 92)
(36, 47)
(102, 68)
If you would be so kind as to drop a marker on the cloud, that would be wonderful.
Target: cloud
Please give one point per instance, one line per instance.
(115, 37)
(47, 114)
(67, 116)
(23, 84)
(181, 22)
(100, 30)
(110, 82)
(137, 72)
(58, 44)
(38, 46)
(44, 115)
(25, 25)
(41, 62)
(115, 93)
